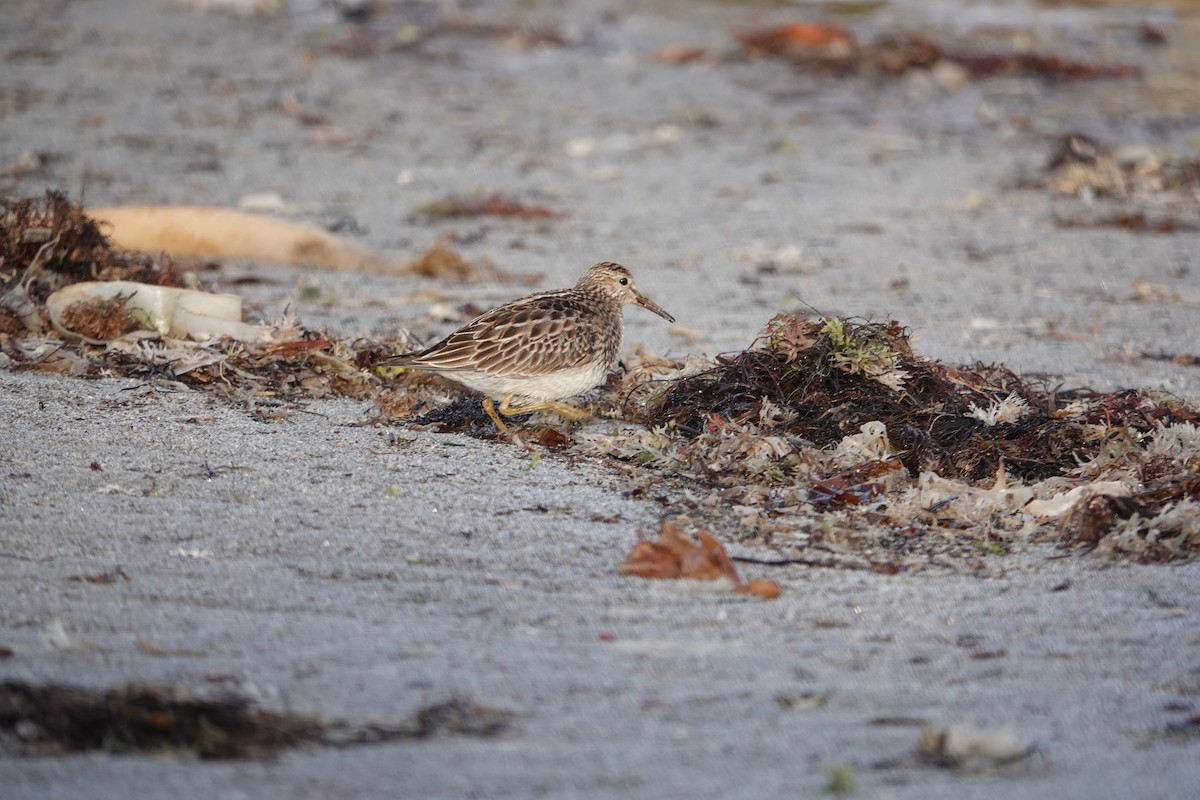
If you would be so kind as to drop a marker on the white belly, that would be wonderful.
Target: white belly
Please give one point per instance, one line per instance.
(556, 386)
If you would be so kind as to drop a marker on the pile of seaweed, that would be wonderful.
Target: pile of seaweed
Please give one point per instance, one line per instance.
(833, 434)
(832, 376)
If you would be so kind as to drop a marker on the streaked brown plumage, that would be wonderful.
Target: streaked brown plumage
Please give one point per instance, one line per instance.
(539, 349)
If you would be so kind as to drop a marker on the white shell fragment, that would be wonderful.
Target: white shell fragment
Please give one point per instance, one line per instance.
(964, 745)
(1063, 502)
(161, 309)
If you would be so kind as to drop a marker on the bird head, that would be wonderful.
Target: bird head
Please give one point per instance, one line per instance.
(615, 282)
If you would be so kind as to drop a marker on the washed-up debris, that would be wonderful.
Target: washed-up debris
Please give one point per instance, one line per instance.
(245, 8)
(839, 780)
(676, 555)
(1065, 503)
(837, 445)
(803, 701)
(102, 578)
(967, 747)
(1040, 65)
(100, 311)
(1080, 164)
(198, 232)
(149, 648)
(1138, 221)
(479, 204)
(445, 263)
(161, 720)
(801, 39)
(72, 302)
(289, 365)
(1144, 189)
(56, 638)
(1184, 731)
(831, 49)
(382, 28)
(680, 54)
(440, 261)
(1179, 359)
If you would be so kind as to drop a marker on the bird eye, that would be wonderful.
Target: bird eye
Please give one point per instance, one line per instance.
(623, 281)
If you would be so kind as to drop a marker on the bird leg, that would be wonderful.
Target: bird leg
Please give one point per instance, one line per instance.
(562, 409)
(506, 408)
(490, 408)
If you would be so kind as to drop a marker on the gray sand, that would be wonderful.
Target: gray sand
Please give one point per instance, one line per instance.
(360, 572)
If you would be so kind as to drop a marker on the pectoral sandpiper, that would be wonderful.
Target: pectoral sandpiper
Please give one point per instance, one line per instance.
(539, 349)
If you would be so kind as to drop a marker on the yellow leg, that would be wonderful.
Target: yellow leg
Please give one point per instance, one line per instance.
(491, 412)
(562, 409)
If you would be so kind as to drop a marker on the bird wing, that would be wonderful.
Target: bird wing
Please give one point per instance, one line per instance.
(535, 336)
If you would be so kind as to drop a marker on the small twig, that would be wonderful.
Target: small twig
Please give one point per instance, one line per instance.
(827, 561)
(941, 504)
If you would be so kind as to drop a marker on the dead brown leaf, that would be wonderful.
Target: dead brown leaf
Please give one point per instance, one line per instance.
(677, 555)
(549, 437)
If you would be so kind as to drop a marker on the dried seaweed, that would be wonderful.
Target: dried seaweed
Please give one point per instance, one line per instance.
(1138, 221)
(829, 49)
(49, 242)
(54, 720)
(101, 319)
(153, 719)
(479, 205)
